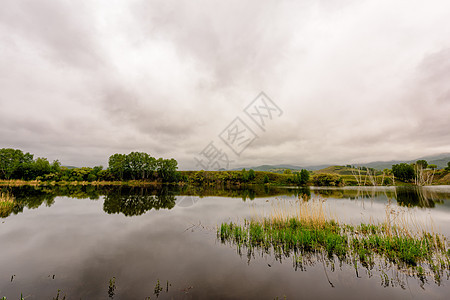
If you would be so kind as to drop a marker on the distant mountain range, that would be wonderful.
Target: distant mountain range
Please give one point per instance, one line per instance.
(440, 160)
(70, 167)
(274, 168)
(267, 168)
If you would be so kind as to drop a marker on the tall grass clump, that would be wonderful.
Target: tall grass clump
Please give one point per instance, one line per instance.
(306, 230)
(308, 212)
(7, 204)
(6, 199)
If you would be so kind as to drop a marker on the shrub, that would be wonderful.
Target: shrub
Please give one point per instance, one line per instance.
(325, 179)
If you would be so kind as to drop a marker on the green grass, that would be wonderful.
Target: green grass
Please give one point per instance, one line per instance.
(7, 204)
(365, 243)
(21, 298)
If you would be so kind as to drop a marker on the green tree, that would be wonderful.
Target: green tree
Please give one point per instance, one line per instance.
(167, 169)
(105, 175)
(149, 167)
(117, 164)
(55, 166)
(80, 174)
(403, 171)
(432, 166)
(387, 181)
(91, 177)
(25, 170)
(251, 175)
(137, 164)
(96, 170)
(266, 179)
(14, 163)
(244, 175)
(42, 166)
(304, 177)
(422, 163)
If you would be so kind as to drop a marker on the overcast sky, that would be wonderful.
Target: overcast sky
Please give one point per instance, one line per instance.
(356, 81)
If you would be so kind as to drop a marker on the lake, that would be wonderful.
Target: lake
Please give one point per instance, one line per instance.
(161, 242)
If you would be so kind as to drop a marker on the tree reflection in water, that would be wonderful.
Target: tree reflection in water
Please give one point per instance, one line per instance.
(133, 201)
(137, 201)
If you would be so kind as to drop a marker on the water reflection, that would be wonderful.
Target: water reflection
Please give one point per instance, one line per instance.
(388, 273)
(133, 200)
(85, 246)
(420, 196)
(408, 196)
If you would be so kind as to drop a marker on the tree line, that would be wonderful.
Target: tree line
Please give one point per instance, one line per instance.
(15, 164)
(243, 177)
(142, 166)
(408, 172)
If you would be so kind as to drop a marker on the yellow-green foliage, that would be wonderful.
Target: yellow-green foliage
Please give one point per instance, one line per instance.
(234, 177)
(6, 204)
(326, 179)
(442, 177)
(6, 199)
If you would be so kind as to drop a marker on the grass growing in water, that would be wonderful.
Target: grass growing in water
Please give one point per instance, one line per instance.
(6, 200)
(112, 288)
(308, 230)
(7, 204)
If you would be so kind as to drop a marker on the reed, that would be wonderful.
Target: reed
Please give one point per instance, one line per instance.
(312, 212)
(7, 203)
(308, 229)
(6, 198)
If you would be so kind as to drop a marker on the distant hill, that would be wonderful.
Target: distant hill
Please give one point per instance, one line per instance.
(281, 168)
(439, 160)
(69, 167)
(317, 167)
(341, 170)
(270, 168)
(440, 163)
(436, 156)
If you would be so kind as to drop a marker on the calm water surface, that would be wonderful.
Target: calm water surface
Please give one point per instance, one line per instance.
(76, 239)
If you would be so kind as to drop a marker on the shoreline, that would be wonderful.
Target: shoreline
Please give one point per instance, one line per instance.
(18, 182)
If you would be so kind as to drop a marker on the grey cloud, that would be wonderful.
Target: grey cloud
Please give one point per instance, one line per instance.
(428, 99)
(235, 41)
(60, 30)
(357, 80)
(124, 107)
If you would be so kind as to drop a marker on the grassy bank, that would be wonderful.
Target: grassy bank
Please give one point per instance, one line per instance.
(16, 182)
(197, 178)
(240, 178)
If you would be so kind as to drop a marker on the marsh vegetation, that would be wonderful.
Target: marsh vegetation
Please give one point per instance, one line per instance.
(7, 204)
(306, 234)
